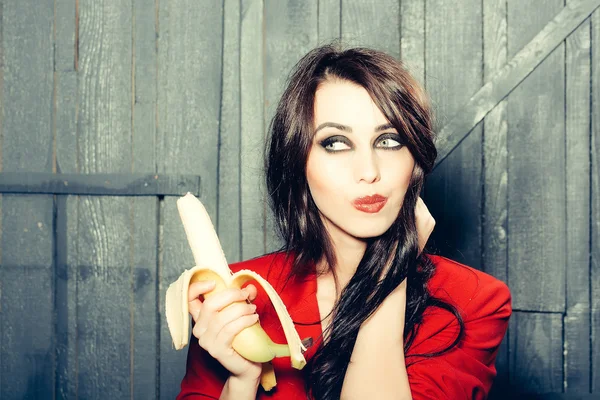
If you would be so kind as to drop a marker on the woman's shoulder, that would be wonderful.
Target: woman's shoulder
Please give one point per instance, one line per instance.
(473, 291)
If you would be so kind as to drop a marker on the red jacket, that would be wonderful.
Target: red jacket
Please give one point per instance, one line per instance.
(465, 372)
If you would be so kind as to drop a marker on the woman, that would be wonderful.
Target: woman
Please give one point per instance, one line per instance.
(350, 145)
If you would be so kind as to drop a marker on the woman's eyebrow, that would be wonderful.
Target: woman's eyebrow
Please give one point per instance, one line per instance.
(384, 127)
(333, 125)
(346, 128)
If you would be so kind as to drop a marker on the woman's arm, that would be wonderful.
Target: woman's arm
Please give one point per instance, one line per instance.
(239, 389)
(377, 368)
(378, 354)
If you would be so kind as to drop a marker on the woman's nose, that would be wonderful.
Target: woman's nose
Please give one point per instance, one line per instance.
(366, 167)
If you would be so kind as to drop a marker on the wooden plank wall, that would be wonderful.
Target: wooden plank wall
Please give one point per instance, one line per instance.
(189, 87)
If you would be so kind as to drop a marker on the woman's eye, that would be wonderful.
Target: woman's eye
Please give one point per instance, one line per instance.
(335, 144)
(389, 143)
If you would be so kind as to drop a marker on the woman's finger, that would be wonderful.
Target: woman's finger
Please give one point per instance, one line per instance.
(199, 288)
(229, 331)
(224, 298)
(195, 290)
(252, 292)
(229, 314)
(210, 308)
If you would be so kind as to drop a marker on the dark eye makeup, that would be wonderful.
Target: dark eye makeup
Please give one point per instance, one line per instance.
(339, 143)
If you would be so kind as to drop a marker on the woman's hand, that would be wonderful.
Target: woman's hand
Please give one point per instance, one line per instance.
(218, 319)
(425, 223)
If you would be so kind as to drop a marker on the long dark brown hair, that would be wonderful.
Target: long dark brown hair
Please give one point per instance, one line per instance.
(404, 104)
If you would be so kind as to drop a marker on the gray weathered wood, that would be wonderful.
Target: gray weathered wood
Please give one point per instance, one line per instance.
(536, 181)
(27, 349)
(66, 236)
(104, 296)
(291, 31)
(536, 355)
(189, 100)
(26, 245)
(230, 135)
(372, 23)
(253, 128)
(66, 296)
(64, 54)
(577, 320)
(495, 166)
(329, 20)
(138, 184)
(595, 214)
(453, 192)
(144, 213)
(521, 65)
(412, 37)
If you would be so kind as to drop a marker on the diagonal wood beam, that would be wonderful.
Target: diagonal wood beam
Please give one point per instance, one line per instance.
(507, 79)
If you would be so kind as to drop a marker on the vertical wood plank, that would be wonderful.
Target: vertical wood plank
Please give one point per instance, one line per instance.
(144, 211)
(291, 30)
(536, 181)
(230, 213)
(495, 168)
(66, 296)
(536, 354)
(577, 319)
(595, 215)
(454, 73)
(104, 301)
(65, 132)
(373, 23)
(189, 99)
(253, 129)
(412, 38)
(27, 272)
(329, 20)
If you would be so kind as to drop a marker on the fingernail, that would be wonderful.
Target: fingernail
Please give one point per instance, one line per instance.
(253, 307)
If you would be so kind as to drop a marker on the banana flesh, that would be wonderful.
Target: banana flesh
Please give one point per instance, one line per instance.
(252, 343)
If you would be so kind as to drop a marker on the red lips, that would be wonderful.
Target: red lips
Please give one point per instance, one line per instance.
(370, 204)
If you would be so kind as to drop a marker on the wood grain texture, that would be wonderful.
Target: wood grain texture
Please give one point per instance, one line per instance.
(230, 135)
(412, 37)
(595, 214)
(65, 43)
(329, 20)
(189, 99)
(253, 128)
(495, 166)
(67, 261)
(536, 354)
(291, 31)
(26, 246)
(536, 180)
(67, 221)
(104, 248)
(144, 210)
(510, 76)
(453, 192)
(372, 23)
(577, 319)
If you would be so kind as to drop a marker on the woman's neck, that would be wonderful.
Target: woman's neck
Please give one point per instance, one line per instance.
(348, 251)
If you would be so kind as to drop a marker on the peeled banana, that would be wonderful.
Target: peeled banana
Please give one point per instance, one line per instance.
(252, 343)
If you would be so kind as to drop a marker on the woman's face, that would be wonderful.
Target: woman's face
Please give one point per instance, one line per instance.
(357, 170)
